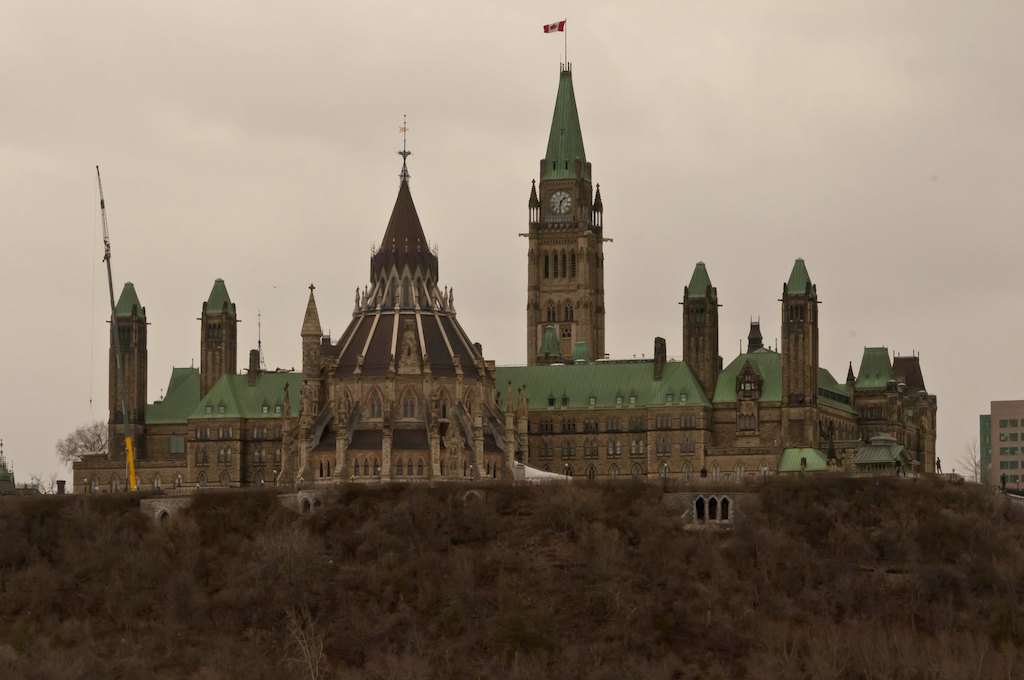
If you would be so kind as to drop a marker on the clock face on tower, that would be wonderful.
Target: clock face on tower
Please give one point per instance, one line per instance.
(561, 202)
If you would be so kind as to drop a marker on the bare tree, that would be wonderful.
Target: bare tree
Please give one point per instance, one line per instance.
(84, 440)
(970, 461)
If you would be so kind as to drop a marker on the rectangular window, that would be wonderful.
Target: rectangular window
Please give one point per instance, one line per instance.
(1003, 437)
(266, 409)
(1003, 465)
(1013, 436)
(1013, 422)
(177, 444)
(1013, 465)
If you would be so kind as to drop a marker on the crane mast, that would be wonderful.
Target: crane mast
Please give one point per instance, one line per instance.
(129, 454)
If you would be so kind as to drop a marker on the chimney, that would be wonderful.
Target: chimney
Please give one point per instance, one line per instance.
(254, 365)
(60, 487)
(754, 339)
(660, 354)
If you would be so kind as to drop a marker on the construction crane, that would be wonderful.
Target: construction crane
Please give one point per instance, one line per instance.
(129, 454)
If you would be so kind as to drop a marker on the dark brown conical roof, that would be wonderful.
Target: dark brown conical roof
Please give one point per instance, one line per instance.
(404, 243)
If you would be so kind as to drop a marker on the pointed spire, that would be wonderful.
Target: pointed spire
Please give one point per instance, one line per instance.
(534, 201)
(700, 283)
(404, 153)
(598, 204)
(128, 303)
(565, 142)
(404, 243)
(799, 280)
(219, 300)
(754, 339)
(850, 378)
(311, 323)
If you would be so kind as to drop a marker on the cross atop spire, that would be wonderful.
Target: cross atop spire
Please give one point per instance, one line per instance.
(404, 153)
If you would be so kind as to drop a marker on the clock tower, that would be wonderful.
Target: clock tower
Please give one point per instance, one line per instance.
(565, 280)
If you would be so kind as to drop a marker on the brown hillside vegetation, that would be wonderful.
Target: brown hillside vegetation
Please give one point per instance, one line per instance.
(832, 578)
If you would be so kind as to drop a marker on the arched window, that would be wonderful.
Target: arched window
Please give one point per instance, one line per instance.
(202, 479)
(328, 468)
(551, 314)
(406, 293)
(321, 468)
(713, 508)
(764, 469)
(739, 472)
(663, 473)
(177, 481)
(569, 472)
(591, 472)
(687, 472)
(564, 263)
(572, 269)
(224, 478)
(355, 469)
(611, 448)
(637, 471)
(376, 467)
(258, 479)
(725, 509)
(568, 310)
(398, 467)
(547, 270)
(115, 484)
(714, 471)
(366, 467)
(419, 467)
(409, 464)
(555, 268)
(698, 509)
(409, 405)
(613, 471)
(376, 406)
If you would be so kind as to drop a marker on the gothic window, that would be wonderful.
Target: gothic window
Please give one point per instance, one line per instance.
(698, 509)
(663, 473)
(568, 311)
(725, 510)
(406, 293)
(663, 444)
(591, 472)
(224, 479)
(764, 469)
(398, 468)
(355, 469)
(590, 449)
(687, 472)
(419, 467)
(115, 484)
(156, 482)
(613, 471)
(409, 468)
(713, 508)
(714, 472)
(366, 467)
(552, 314)
(409, 405)
(611, 448)
(258, 479)
(563, 264)
(555, 274)
(376, 406)
(376, 467)
(321, 468)
(546, 268)
(177, 481)
(637, 471)
(572, 269)
(277, 457)
(201, 481)
(569, 471)
(739, 472)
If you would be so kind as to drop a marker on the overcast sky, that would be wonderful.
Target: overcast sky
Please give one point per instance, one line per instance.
(255, 141)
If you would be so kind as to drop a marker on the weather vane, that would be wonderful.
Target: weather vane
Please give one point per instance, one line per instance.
(404, 153)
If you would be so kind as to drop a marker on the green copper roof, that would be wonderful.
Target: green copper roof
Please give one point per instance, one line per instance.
(768, 365)
(875, 369)
(179, 400)
(219, 298)
(565, 143)
(549, 346)
(790, 462)
(883, 449)
(240, 399)
(580, 352)
(799, 280)
(700, 283)
(129, 302)
(572, 386)
(833, 393)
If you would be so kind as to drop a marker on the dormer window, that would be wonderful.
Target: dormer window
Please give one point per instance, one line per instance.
(277, 408)
(220, 408)
(618, 400)
(593, 401)
(668, 398)
(266, 409)
(209, 409)
(632, 400)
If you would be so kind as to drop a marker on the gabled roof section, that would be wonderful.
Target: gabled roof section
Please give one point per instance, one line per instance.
(179, 400)
(791, 460)
(883, 450)
(700, 283)
(799, 280)
(875, 369)
(768, 365)
(244, 399)
(311, 322)
(404, 244)
(565, 142)
(128, 303)
(908, 371)
(571, 386)
(832, 393)
(219, 300)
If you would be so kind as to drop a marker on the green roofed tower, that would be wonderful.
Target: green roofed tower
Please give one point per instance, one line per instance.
(700, 328)
(799, 352)
(565, 282)
(219, 339)
(131, 327)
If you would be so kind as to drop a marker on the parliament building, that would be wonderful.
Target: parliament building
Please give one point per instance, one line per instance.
(405, 394)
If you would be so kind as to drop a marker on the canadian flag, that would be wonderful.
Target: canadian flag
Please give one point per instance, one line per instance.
(555, 27)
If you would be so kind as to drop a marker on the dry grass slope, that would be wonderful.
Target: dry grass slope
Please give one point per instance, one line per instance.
(833, 578)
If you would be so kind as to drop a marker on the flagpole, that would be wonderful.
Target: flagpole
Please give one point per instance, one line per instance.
(565, 37)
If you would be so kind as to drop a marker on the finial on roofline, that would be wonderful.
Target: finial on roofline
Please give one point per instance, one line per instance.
(404, 153)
